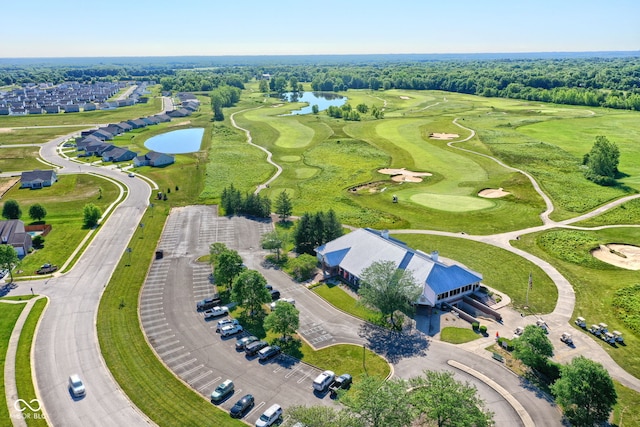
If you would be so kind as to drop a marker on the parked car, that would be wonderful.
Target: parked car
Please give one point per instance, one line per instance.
(285, 300)
(244, 341)
(132, 175)
(270, 416)
(253, 348)
(268, 352)
(269, 287)
(566, 338)
(222, 391)
(226, 322)
(323, 381)
(241, 407)
(229, 330)
(275, 294)
(76, 386)
(342, 382)
(215, 312)
(207, 303)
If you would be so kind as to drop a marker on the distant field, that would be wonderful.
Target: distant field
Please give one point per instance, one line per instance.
(37, 135)
(20, 159)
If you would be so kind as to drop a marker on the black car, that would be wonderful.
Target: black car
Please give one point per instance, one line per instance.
(207, 303)
(241, 343)
(242, 406)
(275, 294)
(269, 287)
(253, 348)
(342, 382)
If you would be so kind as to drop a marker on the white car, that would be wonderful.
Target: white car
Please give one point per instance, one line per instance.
(76, 386)
(323, 381)
(132, 175)
(228, 330)
(270, 416)
(226, 322)
(215, 312)
(287, 300)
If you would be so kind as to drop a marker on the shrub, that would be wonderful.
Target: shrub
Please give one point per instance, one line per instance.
(505, 343)
(475, 326)
(483, 329)
(38, 242)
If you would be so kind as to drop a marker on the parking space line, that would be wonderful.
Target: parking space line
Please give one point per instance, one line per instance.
(158, 347)
(191, 371)
(199, 377)
(183, 364)
(159, 333)
(146, 304)
(209, 384)
(293, 371)
(154, 327)
(171, 351)
(169, 361)
(149, 320)
(255, 408)
(304, 377)
(163, 338)
(152, 298)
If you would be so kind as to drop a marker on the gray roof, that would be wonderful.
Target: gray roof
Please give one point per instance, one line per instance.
(35, 175)
(357, 250)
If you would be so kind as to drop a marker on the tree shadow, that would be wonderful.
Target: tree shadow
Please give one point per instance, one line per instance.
(394, 345)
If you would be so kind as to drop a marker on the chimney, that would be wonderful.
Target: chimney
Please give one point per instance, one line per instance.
(434, 256)
(385, 234)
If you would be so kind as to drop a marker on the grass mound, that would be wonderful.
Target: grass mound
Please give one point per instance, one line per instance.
(626, 302)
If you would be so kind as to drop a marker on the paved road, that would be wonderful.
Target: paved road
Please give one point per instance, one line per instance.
(189, 347)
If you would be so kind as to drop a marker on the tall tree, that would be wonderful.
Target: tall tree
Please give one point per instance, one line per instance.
(11, 210)
(228, 266)
(91, 214)
(284, 207)
(533, 347)
(37, 212)
(585, 391)
(379, 403)
(303, 235)
(284, 320)
(215, 249)
(8, 259)
(249, 291)
(332, 227)
(447, 402)
(389, 289)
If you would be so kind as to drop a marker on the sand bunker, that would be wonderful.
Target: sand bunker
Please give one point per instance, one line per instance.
(6, 130)
(623, 256)
(493, 193)
(403, 175)
(404, 97)
(443, 136)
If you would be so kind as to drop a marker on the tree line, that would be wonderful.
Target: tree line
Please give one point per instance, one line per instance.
(234, 202)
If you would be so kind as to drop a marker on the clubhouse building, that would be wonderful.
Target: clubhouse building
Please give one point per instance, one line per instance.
(347, 256)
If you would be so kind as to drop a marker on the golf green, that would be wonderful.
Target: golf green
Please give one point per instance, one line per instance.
(451, 203)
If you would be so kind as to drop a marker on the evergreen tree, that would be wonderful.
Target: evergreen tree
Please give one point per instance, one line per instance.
(284, 207)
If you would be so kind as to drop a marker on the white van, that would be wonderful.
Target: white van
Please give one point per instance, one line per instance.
(270, 416)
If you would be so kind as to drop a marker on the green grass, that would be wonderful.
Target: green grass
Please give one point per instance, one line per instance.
(20, 159)
(64, 202)
(347, 358)
(9, 314)
(458, 335)
(625, 413)
(37, 135)
(343, 301)
(147, 382)
(24, 375)
(595, 282)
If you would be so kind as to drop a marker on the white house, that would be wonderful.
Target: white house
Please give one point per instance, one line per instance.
(38, 178)
(348, 255)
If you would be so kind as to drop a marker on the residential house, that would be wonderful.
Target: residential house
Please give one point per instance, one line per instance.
(154, 159)
(137, 123)
(162, 118)
(118, 154)
(347, 256)
(12, 233)
(103, 135)
(38, 178)
(71, 108)
(182, 112)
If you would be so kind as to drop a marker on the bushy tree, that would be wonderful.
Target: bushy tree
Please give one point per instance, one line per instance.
(91, 214)
(379, 403)
(438, 397)
(249, 290)
(533, 347)
(228, 265)
(37, 212)
(320, 416)
(8, 259)
(274, 241)
(215, 249)
(11, 210)
(585, 391)
(284, 320)
(602, 161)
(302, 266)
(389, 289)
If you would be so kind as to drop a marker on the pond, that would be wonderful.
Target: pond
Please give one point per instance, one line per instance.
(323, 100)
(177, 141)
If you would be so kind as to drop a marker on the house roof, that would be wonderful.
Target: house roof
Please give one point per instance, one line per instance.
(37, 175)
(12, 232)
(357, 250)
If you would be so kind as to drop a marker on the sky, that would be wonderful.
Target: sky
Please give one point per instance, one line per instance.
(72, 28)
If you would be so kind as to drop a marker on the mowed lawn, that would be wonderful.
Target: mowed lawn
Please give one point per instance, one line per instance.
(16, 159)
(64, 202)
(36, 135)
(9, 314)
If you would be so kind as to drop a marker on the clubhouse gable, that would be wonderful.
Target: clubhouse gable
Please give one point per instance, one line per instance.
(347, 256)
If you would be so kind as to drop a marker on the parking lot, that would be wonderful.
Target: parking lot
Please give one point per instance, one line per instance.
(188, 344)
